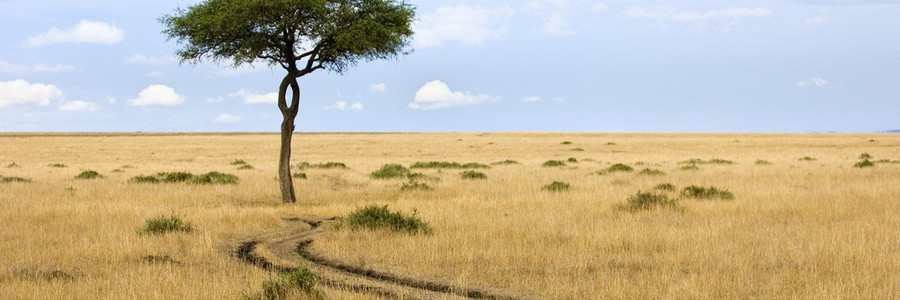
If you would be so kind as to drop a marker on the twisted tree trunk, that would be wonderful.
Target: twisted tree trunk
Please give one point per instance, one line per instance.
(287, 132)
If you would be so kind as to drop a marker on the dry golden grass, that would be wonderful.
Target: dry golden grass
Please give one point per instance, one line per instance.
(796, 229)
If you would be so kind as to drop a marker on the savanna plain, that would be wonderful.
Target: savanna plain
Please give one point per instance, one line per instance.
(551, 216)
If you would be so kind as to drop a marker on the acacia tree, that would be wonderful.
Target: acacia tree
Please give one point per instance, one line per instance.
(300, 36)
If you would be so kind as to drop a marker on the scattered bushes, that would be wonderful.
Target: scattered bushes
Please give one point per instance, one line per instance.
(375, 217)
(472, 175)
(807, 158)
(162, 224)
(390, 171)
(88, 174)
(714, 161)
(13, 179)
(652, 172)
(700, 192)
(557, 186)
(176, 177)
(506, 162)
(616, 168)
(447, 165)
(643, 201)
(864, 164)
(328, 165)
(57, 165)
(554, 163)
(664, 187)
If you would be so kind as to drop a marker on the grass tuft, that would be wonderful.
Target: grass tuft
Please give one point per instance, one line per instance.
(865, 156)
(390, 171)
(376, 217)
(13, 179)
(807, 158)
(415, 185)
(864, 164)
(177, 177)
(506, 162)
(299, 175)
(162, 225)
(12, 165)
(88, 174)
(57, 165)
(690, 168)
(472, 175)
(557, 186)
(664, 187)
(238, 162)
(762, 162)
(447, 165)
(554, 163)
(646, 201)
(572, 160)
(616, 168)
(700, 192)
(327, 165)
(214, 178)
(566, 143)
(652, 172)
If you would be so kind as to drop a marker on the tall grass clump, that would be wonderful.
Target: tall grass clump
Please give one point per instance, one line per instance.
(506, 162)
(163, 224)
(447, 165)
(554, 163)
(664, 187)
(472, 175)
(646, 201)
(652, 172)
(557, 186)
(295, 284)
(58, 165)
(864, 164)
(13, 179)
(327, 165)
(88, 174)
(762, 162)
(616, 168)
(714, 161)
(178, 177)
(807, 158)
(390, 171)
(415, 185)
(376, 217)
(214, 178)
(712, 192)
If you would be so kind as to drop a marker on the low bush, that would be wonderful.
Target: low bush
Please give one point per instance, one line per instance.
(214, 178)
(328, 165)
(414, 185)
(566, 143)
(554, 163)
(664, 187)
(472, 175)
(557, 186)
(299, 175)
(645, 201)
(807, 158)
(162, 224)
(13, 179)
(652, 172)
(88, 174)
(690, 168)
(864, 164)
(238, 162)
(762, 162)
(286, 286)
(572, 160)
(447, 165)
(390, 171)
(176, 177)
(506, 162)
(616, 168)
(245, 167)
(375, 217)
(578, 149)
(57, 165)
(714, 161)
(700, 192)
(865, 156)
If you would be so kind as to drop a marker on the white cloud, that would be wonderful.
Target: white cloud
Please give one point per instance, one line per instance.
(437, 94)
(341, 105)
(531, 99)
(84, 32)
(255, 97)
(228, 118)
(815, 81)
(157, 95)
(22, 92)
(816, 20)
(75, 106)
(6, 67)
(379, 87)
(669, 13)
(141, 59)
(461, 23)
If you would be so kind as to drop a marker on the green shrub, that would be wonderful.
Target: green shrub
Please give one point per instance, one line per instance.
(299, 175)
(690, 168)
(616, 168)
(664, 187)
(176, 177)
(610, 144)
(13, 179)
(761, 162)
(375, 217)
(864, 164)
(887, 161)
(414, 185)
(88, 174)
(390, 171)
(572, 160)
(57, 165)
(245, 167)
(506, 162)
(214, 178)
(578, 149)
(447, 165)
(472, 175)
(145, 179)
(162, 224)
(719, 161)
(807, 158)
(173, 177)
(328, 165)
(554, 163)
(557, 186)
(566, 143)
(865, 156)
(238, 162)
(700, 192)
(714, 161)
(652, 172)
(693, 161)
(285, 285)
(644, 201)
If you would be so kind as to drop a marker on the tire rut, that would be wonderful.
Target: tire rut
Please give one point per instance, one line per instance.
(279, 250)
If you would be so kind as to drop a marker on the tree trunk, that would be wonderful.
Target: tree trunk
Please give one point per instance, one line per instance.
(287, 132)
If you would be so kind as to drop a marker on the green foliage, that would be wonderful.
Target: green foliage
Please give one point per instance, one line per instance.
(472, 175)
(214, 178)
(57, 165)
(328, 165)
(645, 201)
(13, 179)
(12, 165)
(762, 162)
(577, 149)
(285, 286)
(299, 175)
(238, 162)
(554, 163)
(566, 143)
(163, 224)
(652, 172)
(664, 187)
(864, 164)
(700, 192)
(572, 160)
(88, 174)
(506, 162)
(865, 156)
(145, 179)
(616, 168)
(714, 161)
(375, 217)
(807, 158)
(557, 186)
(390, 171)
(245, 167)
(414, 185)
(690, 168)
(447, 165)
(176, 177)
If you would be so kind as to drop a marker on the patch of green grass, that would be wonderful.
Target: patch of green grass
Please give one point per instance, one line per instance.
(176, 177)
(214, 178)
(578, 149)
(652, 172)
(245, 167)
(299, 175)
(506, 162)
(296, 284)
(664, 187)
(447, 165)
(13, 179)
(57, 165)
(390, 171)
(807, 158)
(145, 179)
(865, 156)
(327, 165)
(647, 201)
(864, 164)
(375, 217)
(887, 161)
(238, 162)
(88, 174)
(719, 161)
(566, 143)
(610, 144)
(714, 161)
(163, 224)
(690, 168)
(554, 163)
(762, 162)
(415, 185)
(472, 175)
(572, 160)
(616, 168)
(557, 186)
(700, 192)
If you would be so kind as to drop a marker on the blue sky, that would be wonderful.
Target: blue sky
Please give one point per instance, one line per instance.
(533, 65)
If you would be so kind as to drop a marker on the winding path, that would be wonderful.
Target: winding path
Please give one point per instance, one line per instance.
(282, 249)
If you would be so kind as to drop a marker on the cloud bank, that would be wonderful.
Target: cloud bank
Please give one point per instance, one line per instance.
(22, 92)
(84, 32)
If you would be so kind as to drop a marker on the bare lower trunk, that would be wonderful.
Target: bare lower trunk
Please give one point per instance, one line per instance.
(287, 132)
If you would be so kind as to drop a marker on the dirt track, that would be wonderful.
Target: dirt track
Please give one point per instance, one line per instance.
(283, 249)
